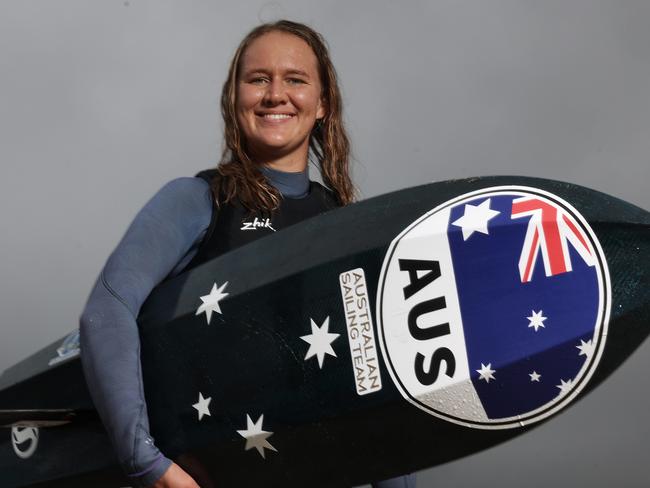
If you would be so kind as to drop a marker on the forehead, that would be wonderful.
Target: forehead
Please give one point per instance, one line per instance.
(277, 51)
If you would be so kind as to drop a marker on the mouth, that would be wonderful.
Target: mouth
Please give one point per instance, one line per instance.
(275, 117)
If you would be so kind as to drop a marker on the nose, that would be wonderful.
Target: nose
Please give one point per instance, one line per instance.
(275, 93)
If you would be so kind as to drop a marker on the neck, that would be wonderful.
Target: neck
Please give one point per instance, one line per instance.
(287, 166)
(292, 184)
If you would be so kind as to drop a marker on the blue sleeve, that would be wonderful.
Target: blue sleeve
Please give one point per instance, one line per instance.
(162, 237)
(406, 481)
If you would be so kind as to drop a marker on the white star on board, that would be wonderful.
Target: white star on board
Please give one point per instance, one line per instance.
(485, 373)
(535, 376)
(320, 341)
(536, 320)
(476, 218)
(255, 436)
(586, 348)
(565, 386)
(211, 302)
(202, 406)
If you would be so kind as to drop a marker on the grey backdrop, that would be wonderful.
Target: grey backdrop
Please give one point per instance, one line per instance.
(103, 102)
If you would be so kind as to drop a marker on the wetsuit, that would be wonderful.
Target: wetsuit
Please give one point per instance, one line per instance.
(161, 241)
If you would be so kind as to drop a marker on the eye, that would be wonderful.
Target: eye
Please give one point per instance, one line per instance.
(259, 80)
(296, 81)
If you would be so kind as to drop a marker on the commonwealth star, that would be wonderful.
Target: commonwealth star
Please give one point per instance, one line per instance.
(256, 437)
(320, 341)
(211, 302)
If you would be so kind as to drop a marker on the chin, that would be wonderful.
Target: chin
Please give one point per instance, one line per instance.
(272, 147)
(275, 143)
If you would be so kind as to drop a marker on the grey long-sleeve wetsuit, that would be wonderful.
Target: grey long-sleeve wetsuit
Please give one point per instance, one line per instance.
(161, 240)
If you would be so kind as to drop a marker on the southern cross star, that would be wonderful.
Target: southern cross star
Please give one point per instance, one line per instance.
(535, 376)
(485, 373)
(586, 348)
(320, 341)
(202, 406)
(565, 386)
(211, 302)
(255, 436)
(536, 320)
(476, 218)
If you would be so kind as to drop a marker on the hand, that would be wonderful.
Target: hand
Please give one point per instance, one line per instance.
(175, 477)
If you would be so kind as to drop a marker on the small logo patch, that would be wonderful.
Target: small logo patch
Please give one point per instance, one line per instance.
(493, 307)
(24, 441)
(361, 335)
(258, 224)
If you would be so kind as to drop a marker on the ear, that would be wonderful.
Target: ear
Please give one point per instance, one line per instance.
(321, 109)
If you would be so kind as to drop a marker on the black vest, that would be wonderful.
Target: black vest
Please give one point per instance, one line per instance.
(232, 225)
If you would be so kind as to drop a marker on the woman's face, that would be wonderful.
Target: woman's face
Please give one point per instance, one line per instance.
(278, 99)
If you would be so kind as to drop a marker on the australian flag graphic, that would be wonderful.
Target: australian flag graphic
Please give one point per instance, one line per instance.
(525, 289)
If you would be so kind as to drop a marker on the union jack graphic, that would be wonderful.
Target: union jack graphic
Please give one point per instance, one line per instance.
(550, 229)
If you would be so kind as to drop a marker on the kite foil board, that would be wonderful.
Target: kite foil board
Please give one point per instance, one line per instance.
(333, 352)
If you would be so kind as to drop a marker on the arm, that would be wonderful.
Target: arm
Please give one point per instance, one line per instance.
(162, 235)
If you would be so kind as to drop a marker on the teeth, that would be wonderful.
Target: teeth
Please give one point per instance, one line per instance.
(277, 116)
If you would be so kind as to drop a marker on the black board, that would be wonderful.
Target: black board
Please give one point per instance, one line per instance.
(336, 421)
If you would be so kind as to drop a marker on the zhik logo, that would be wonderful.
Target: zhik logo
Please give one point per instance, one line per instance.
(257, 224)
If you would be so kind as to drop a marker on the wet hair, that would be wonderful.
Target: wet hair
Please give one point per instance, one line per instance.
(238, 176)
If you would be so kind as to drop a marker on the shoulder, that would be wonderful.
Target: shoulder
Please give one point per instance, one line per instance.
(185, 186)
(187, 191)
(320, 188)
(324, 193)
(207, 174)
(184, 203)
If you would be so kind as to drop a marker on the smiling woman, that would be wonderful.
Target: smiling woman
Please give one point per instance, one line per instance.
(279, 100)
(281, 104)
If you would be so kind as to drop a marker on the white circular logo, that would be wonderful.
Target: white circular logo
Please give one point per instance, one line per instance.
(493, 307)
(24, 441)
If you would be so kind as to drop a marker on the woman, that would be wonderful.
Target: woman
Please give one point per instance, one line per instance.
(280, 100)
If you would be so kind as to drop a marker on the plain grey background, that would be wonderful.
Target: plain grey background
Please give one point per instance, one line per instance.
(102, 102)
